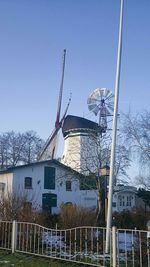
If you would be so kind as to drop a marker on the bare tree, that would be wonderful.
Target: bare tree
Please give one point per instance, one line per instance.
(32, 146)
(137, 134)
(19, 148)
(90, 156)
(3, 150)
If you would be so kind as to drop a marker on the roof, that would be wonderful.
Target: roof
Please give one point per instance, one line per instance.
(74, 123)
(53, 161)
(122, 188)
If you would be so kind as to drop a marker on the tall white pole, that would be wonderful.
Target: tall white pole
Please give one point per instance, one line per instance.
(114, 132)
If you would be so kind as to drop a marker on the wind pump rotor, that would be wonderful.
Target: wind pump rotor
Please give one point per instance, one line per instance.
(101, 103)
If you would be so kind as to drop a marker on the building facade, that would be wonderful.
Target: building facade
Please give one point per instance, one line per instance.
(46, 185)
(124, 198)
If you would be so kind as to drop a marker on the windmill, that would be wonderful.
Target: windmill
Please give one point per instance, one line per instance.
(49, 149)
(101, 102)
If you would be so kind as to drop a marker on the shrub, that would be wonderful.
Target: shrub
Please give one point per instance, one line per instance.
(73, 216)
(136, 218)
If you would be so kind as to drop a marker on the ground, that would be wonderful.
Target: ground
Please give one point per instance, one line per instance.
(21, 260)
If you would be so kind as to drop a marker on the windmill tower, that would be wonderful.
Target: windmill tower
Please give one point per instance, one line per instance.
(50, 147)
(79, 143)
(81, 135)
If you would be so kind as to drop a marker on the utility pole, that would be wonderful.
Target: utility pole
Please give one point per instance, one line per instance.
(114, 133)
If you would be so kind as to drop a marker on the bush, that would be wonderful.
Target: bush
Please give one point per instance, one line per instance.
(73, 216)
(18, 208)
(136, 218)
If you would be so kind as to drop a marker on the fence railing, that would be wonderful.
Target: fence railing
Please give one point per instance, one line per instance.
(81, 244)
(6, 235)
(133, 248)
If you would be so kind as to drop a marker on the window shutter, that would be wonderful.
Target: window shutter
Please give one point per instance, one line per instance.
(49, 178)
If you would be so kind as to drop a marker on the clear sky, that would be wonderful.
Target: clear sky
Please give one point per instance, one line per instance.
(33, 34)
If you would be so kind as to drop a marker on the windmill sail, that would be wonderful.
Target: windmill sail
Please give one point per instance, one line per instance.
(50, 147)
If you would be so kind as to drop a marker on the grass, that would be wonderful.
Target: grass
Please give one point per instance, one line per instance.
(21, 260)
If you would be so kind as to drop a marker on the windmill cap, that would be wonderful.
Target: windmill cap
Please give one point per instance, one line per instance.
(74, 123)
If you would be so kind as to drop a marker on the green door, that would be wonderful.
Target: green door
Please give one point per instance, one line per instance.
(49, 200)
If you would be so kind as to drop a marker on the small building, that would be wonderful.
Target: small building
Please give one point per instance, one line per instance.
(124, 198)
(46, 185)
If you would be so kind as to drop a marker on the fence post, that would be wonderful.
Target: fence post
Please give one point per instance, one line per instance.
(14, 235)
(114, 246)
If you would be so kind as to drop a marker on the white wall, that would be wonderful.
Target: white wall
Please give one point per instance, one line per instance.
(80, 152)
(7, 179)
(85, 198)
(36, 172)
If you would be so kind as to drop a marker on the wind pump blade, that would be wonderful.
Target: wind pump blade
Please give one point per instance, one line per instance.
(50, 146)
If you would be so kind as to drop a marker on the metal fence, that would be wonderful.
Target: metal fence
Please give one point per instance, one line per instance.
(5, 235)
(131, 248)
(82, 244)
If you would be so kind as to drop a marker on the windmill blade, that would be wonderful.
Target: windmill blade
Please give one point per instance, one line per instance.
(61, 89)
(102, 92)
(96, 110)
(91, 101)
(105, 112)
(63, 117)
(92, 107)
(50, 146)
(95, 101)
(106, 92)
(110, 96)
(49, 149)
(95, 94)
(111, 107)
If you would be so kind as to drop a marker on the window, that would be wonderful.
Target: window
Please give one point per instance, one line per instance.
(120, 200)
(49, 178)
(114, 204)
(127, 201)
(87, 183)
(68, 186)
(2, 187)
(130, 199)
(28, 183)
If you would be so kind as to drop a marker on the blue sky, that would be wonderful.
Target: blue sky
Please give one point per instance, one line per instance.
(33, 36)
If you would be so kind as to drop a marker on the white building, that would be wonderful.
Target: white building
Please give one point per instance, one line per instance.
(124, 198)
(46, 185)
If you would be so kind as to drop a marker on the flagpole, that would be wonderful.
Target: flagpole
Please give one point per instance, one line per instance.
(114, 132)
